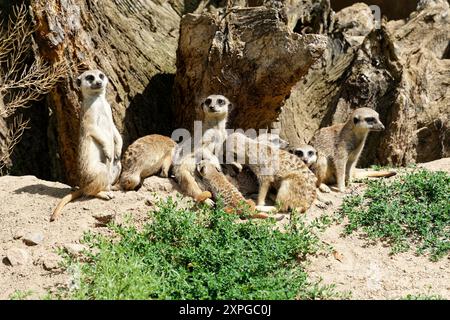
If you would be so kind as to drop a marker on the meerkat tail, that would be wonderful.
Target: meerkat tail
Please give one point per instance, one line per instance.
(70, 197)
(374, 174)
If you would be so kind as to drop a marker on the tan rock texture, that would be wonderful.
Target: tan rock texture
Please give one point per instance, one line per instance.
(290, 64)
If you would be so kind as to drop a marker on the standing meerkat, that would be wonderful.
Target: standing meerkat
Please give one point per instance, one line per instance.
(309, 155)
(215, 110)
(145, 157)
(339, 147)
(216, 182)
(294, 182)
(100, 143)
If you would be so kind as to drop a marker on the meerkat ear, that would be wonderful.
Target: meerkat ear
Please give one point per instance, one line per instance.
(78, 81)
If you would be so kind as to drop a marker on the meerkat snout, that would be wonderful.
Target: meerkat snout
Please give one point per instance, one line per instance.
(367, 119)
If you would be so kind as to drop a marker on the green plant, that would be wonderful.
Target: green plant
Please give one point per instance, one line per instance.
(20, 295)
(422, 297)
(204, 254)
(413, 209)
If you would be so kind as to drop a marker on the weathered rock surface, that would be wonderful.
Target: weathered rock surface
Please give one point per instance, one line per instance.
(260, 53)
(248, 55)
(17, 256)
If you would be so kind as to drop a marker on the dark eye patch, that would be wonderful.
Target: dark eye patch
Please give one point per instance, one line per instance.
(102, 76)
(208, 101)
(220, 101)
(299, 153)
(310, 153)
(90, 78)
(370, 120)
(355, 120)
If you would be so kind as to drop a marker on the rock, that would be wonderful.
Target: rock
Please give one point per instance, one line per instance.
(17, 257)
(104, 219)
(18, 235)
(74, 249)
(157, 184)
(51, 261)
(249, 55)
(33, 239)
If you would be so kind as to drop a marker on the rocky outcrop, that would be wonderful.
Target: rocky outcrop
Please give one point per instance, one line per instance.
(248, 55)
(288, 64)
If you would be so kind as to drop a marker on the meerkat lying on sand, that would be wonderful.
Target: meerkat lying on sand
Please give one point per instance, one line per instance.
(145, 157)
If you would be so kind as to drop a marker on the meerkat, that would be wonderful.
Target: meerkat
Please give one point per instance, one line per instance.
(145, 157)
(242, 177)
(216, 182)
(339, 147)
(215, 109)
(100, 143)
(309, 155)
(294, 182)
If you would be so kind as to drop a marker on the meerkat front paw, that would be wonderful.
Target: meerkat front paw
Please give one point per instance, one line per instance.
(105, 195)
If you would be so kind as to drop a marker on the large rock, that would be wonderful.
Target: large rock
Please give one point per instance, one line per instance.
(248, 55)
(401, 70)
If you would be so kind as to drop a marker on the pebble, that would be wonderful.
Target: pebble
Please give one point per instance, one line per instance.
(74, 249)
(50, 261)
(33, 239)
(17, 256)
(104, 218)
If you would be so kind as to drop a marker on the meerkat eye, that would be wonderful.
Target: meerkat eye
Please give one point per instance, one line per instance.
(220, 102)
(208, 101)
(102, 76)
(299, 153)
(370, 120)
(90, 78)
(310, 153)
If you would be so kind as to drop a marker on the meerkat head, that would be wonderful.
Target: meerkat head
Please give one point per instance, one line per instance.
(92, 83)
(216, 107)
(205, 168)
(367, 119)
(273, 139)
(306, 153)
(130, 182)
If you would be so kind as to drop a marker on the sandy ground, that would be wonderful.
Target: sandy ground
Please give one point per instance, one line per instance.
(365, 270)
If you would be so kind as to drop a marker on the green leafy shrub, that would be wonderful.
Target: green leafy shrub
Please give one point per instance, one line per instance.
(412, 209)
(205, 254)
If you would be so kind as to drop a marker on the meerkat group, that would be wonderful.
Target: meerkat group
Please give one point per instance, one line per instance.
(295, 175)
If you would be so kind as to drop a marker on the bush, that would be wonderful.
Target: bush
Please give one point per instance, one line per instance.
(414, 208)
(183, 254)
